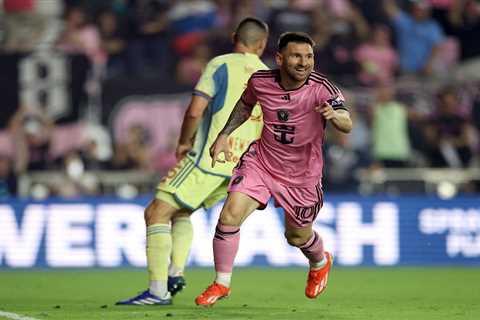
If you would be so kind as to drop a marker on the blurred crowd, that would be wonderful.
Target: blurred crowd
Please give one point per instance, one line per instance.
(76, 152)
(373, 40)
(410, 70)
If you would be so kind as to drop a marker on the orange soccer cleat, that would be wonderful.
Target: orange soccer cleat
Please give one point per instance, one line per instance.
(317, 279)
(214, 292)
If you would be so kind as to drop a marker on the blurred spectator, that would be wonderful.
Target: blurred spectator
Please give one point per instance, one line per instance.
(359, 138)
(23, 26)
(190, 22)
(218, 39)
(95, 150)
(75, 181)
(345, 153)
(418, 36)
(464, 18)
(448, 133)
(165, 158)
(321, 34)
(377, 59)
(358, 25)
(390, 140)
(81, 37)
(8, 180)
(229, 14)
(346, 32)
(226, 14)
(340, 162)
(31, 130)
(292, 17)
(112, 42)
(464, 24)
(248, 8)
(135, 152)
(442, 4)
(148, 40)
(372, 11)
(476, 109)
(476, 123)
(190, 68)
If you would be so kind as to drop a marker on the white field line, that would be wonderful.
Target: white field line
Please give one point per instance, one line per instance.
(15, 316)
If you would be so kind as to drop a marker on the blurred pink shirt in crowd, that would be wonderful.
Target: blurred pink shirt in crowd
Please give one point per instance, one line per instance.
(91, 46)
(377, 58)
(339, 8)
(381, 64)
(15, 6)
(441, 3)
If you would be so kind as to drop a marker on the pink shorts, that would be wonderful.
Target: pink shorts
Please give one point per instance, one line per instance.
(301, 204)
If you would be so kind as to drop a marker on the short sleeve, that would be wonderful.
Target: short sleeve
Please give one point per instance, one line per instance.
(206, 85)
(333, 96)
(249, 96)
(337, 101)
(402, 20)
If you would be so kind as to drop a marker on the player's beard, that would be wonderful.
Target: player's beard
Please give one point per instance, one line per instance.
(298, 73)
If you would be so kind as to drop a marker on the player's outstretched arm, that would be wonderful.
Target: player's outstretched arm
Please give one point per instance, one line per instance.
(340, 118)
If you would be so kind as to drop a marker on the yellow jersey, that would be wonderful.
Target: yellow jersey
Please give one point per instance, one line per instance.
(223, 82)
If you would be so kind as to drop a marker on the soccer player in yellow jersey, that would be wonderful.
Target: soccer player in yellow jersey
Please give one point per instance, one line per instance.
(193, 183)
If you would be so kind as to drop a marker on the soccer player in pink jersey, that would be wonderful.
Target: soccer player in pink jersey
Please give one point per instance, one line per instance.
(285, 163)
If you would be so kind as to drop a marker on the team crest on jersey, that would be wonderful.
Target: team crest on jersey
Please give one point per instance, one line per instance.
(237, 180)
(282, 115)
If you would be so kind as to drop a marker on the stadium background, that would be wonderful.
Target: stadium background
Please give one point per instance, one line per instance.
(92, 99)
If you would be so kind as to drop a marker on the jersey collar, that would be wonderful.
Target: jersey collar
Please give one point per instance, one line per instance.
(278, 80)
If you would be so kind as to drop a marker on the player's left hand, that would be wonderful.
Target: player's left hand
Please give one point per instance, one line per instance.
(327, 111)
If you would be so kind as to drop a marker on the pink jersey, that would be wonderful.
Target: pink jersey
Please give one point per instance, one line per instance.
(290, 147)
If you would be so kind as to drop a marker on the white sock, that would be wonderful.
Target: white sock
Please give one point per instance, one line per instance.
(174, 271)
(224, 278)
(159, 288)
(320, 264)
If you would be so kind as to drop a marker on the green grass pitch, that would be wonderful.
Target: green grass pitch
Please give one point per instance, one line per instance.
(258, 293)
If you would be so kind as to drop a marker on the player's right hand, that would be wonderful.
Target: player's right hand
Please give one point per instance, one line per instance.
(220, 146)
(327, 111)
(182, 150)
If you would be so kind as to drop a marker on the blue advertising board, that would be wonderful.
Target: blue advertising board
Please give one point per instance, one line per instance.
(360, 231)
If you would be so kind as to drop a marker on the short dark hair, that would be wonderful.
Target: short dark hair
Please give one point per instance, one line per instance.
(300, 37)
(250, 30)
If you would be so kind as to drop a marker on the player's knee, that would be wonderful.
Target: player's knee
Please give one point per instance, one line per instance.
(154, 213)
(180, 214)
(295, 239)
(149, 214)
(231, 216)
